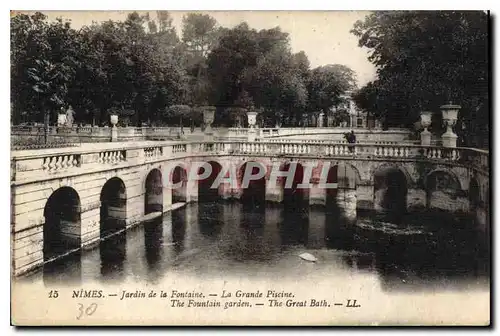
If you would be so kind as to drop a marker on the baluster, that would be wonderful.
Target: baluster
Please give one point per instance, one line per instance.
(45, 164)
(57, 164)
(69, 161)
(63, 162)
(52, 162)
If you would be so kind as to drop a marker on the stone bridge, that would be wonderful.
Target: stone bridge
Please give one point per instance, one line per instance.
(70, 198)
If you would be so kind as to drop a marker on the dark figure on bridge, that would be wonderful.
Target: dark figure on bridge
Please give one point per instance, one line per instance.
(351, 139)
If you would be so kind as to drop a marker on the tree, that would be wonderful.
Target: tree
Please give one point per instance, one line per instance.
(179, 112)
(327, 84)
(424, 60)
(260, 63)
(199, 33)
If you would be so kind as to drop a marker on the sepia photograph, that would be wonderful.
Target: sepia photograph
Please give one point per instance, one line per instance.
(250, 168)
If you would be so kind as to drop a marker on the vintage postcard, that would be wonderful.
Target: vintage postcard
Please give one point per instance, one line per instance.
(250, 168)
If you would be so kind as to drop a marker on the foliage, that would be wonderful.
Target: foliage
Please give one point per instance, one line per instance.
(424, 60)
(143, 71)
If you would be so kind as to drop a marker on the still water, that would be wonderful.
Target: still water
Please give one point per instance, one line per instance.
(208, 240)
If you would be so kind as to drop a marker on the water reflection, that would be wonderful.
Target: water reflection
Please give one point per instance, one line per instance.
(113, 254)
(153, 241)
(295, 225)
(179, 229)
(66, 270)
(210, 219)
(419, 251)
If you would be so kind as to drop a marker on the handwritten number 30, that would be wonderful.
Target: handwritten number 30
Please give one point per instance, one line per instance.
(87, 311)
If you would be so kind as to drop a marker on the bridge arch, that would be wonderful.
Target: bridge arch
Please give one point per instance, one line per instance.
(390, 189)
(179, 176)
(205, 190)
(62, 227)
(254, 191)
(153, 197)
(113, 212)
(442, 187)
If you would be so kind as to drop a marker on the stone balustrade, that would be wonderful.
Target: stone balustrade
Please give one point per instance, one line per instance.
(32, 164)
(112, 157)
(288, 134)
(153, 152)
(60, 162)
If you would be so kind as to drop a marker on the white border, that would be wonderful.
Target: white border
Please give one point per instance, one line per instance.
(197, 5)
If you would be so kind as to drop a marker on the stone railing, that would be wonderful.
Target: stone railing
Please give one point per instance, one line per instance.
(151, 153)
(60, 162)
(112, 157)
(84, 134)
(317, 141)
(36, 165)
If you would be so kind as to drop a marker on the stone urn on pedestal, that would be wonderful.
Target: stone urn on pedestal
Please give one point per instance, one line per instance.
(321, 117)
(450, 116)
(113, 118)
(252, 121)
(61, 119)
(208, 119)
(425, 121)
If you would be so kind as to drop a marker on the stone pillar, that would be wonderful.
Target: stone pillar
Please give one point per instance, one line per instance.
(192, 190)
(252, 131)
(208, 119)
(114, 130)
(320, 119)
(450, 115)
(167, 198)
(425, 135)
(316, 229)
(347, 202)
(317, 195)
(346, 199)
(274, 193)
(225, 190)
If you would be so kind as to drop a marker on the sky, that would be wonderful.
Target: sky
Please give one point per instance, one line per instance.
(323, 35)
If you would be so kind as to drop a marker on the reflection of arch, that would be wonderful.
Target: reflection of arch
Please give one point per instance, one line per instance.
(113, 252)
(179, 176)
(62, 228)
(255, 191)
(390, 189)
(113, 206)
(474, 194)
(205, 190)
(179, 229)
(153, 240)
(293, 195)
(153, 197)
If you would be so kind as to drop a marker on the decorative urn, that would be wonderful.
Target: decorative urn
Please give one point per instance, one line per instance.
(252, 119)
(113, 119)
(61, 119)
(425, 121)
(450, 116)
